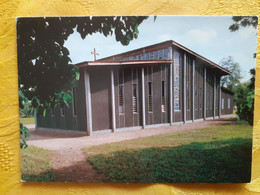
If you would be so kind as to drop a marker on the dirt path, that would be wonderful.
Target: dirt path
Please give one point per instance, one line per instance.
(70, 163)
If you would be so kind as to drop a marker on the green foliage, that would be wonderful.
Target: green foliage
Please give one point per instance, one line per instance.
(244, 94)
(36, 165)
(23, 134)
(230, 81)
(46, 73)
(244, 99)
(213, 154)
(243, 21)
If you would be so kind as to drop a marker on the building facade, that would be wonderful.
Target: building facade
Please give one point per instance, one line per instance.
(162, 84)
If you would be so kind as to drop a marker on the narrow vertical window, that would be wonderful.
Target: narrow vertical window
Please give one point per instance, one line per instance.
(216, 94)
(121, 91)
(228, 103)
(121, 99)
(134, 98)
(222, 103)
(200, 98)
(176, 81)
(150, 98)
(196, 95)
(188, 96)
(210, 97)
(74, 102)
(163, 96)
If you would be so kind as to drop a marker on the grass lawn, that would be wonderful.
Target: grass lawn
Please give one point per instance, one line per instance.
(29, 120)
(36, 164)
(213, 154)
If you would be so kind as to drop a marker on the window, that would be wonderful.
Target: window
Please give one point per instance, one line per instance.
(74, 102)
(210, 98)
(216, 100)
(156, 54)
(176, 81)
(150, 99)
(160, 54)
(222, 103)
(163, 96)
(200, 98)
(188, 95)
(151, 56)
(196, 99)
(121, 99)
(121, 91)
(228, 103)
(134, 98)
(62, 111)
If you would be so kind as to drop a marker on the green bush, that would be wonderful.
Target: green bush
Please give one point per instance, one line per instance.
(244, 99)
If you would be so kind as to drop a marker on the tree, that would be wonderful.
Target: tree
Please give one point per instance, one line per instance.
(244, 94)
(244, 99)
(46, 73)
(230, 81)
(243, 21)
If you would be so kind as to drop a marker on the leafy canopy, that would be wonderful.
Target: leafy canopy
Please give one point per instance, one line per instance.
(243, 21)
(244, 99)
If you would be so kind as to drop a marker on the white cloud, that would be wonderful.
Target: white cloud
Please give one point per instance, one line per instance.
(201, 36)
(245, 33)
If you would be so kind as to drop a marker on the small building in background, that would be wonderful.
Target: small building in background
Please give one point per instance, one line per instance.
(161, 84)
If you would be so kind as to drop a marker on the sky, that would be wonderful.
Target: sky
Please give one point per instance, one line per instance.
(208, 36)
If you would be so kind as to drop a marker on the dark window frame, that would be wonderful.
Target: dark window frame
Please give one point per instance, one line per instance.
(135, 102)
(150, 97)
(163, 99)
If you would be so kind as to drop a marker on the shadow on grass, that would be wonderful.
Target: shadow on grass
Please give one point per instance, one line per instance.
(227, 161)
(44, 177)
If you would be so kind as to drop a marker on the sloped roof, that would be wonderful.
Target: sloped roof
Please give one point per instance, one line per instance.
(166, 44)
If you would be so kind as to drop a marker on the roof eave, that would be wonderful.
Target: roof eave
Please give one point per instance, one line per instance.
(118, 63)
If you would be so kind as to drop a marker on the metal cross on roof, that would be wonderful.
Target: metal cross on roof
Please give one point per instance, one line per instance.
(95, 54)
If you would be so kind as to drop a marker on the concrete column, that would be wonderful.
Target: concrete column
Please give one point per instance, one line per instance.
(205, 91)
(214, 97)
(88, 102)
(35, 119)
(193, 90)
(113, 101)
(143, 99)
(171, 103)
(220, 103)
(184, 88)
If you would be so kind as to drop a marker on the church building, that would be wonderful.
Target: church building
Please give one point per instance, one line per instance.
(158, 85)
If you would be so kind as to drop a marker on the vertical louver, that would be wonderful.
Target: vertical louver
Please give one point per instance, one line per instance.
(134, 98)
(163, 96)
(121, 99)
(150, 99)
